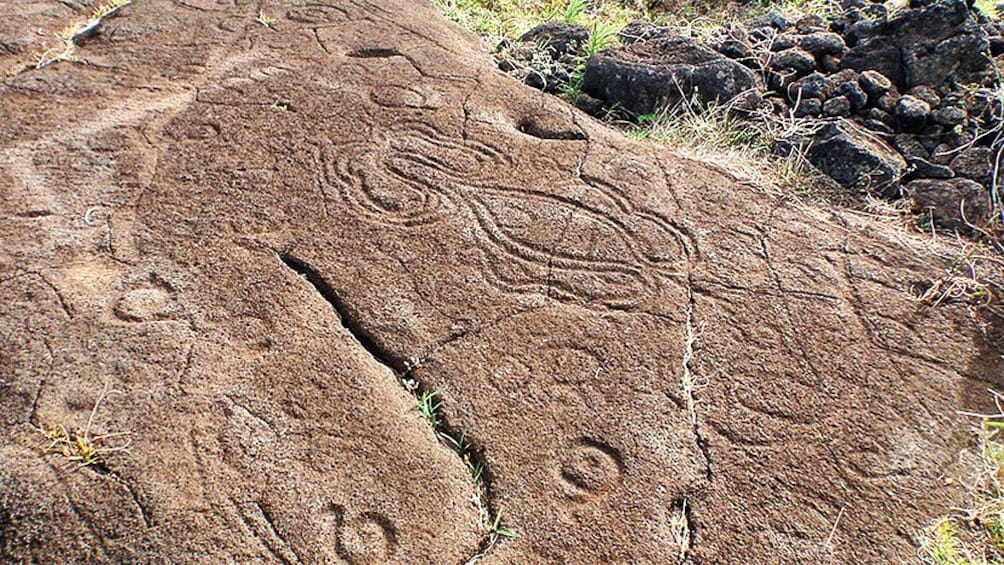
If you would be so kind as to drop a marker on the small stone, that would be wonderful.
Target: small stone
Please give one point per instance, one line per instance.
(875, 84)
(795, 59)
(783, 41)
(837, 107)
(911, 113)
(957, 137)
(822, 43)
(557, 37)
(887, 103)
(943, 154)
(910, 146)
(949, 116)
(931, 136)
(924, 169)
(810, 23)
(877, 126)
(854, 94)
(830, 63)
(927, 94)
(879, 115)
(808, 107)
(810, 86)
(778, 21)
(947, 199)
(975, 163)
(734, 49)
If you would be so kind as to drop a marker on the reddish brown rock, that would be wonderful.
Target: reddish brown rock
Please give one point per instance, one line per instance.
(245, 240)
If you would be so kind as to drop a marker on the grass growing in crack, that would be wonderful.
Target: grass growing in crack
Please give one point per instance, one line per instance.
(496, 530)
(70, 37)
(79, 445)
(975, 535)
(430, 406)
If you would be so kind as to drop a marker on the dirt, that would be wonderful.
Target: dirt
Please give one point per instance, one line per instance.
(235, 245)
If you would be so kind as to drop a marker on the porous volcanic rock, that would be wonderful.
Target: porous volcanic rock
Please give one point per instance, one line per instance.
(663, 70)
(247, 246)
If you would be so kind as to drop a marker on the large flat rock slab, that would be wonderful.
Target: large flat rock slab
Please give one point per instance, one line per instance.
(237, 244)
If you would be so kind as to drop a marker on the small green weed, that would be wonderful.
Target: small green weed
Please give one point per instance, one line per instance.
(496, 530)
(267, 21)
(429, 407)
(79, 445)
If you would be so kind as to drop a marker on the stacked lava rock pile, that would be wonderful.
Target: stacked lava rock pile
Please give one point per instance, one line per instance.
(906, 103)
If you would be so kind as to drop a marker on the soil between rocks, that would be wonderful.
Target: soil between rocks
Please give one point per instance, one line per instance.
(627, 337)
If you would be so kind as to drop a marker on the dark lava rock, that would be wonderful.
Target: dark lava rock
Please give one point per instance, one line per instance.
(822, 43)
(927, 94)
(957, 137)
(924, 169)
(975, 163)
(875, 84)
(854, 94)
(877, 54)
(795, 59)
(911, 113)
(887, 103)
(810, 23)
(910, 146)
(734, 49)
(931, 44)
(810, 86)
(808, 107)
(878, 127)
(783, 41)
(560, 38)
(946, 201)
(640, 30)
(879, 115)
(855, 158)
(646, 76)
(949, 116)
(830, 63)
(837, 107)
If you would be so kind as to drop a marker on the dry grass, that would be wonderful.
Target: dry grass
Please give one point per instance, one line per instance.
(743, 146)
(70, 37)
(81, 446)
(974, 534)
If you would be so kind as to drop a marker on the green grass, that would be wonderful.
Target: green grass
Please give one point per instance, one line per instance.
(975, 535)
(429, 408)
(495, 20)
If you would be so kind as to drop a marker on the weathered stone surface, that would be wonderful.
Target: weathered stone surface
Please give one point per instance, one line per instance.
(854, 158)
(940, 41)
(648, 75)
(250, 235)
(951, 203)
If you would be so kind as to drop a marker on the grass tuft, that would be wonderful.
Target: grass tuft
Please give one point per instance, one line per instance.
(743, 145)
(81, 446)
(975, 535)
(267, 21)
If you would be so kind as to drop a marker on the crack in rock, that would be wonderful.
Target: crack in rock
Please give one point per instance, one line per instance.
(470, 454)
